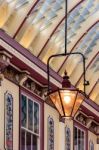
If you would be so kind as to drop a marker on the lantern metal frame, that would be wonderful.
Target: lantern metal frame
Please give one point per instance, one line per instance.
(71, 88)
(62, 106)
(85, 82)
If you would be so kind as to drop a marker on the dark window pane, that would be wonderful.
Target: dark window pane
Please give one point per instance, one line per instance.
(36, 118)
(79, 139)
(82, 140)
(22, 140)
(30, 114)
(28, 141)
(34, 142)
(23, 111)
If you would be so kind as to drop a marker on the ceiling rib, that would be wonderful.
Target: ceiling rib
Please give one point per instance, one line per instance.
(73, 48)
(93, 87)
(58, 26)
(26, 18)
(87, 67)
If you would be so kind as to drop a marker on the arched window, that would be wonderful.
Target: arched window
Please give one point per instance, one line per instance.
(67, 138)
(91, 145)
(50, 133)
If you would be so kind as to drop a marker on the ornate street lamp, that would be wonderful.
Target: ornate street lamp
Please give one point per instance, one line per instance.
(67, 99)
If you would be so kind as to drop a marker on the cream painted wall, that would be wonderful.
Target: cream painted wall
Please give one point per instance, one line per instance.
(14, 90)
(59, 138)
(93, 138)
(97, 147)
(49, 111)
(59, 128)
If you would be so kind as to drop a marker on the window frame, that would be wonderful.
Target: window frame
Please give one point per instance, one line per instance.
(85, 130)
(40, 103)
(34, 101)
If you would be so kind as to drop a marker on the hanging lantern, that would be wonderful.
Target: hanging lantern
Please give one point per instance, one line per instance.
(67, 99)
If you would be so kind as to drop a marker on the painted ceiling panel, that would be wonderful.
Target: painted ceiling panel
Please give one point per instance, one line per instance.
(38, 25)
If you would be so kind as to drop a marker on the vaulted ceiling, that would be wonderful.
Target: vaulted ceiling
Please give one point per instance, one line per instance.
(38, 25)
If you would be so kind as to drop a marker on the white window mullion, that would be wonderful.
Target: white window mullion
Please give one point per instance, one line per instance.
(25, 140)
(31, 142)
(27, 114)
(38, 143)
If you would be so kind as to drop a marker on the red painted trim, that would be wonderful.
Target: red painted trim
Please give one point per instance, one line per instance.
(41, 102)
(93, 87)
(77, 124)
(87, 67)
(92, 104)
(25, 18)
(88, 112)
(73, 48)
(57, 27)
(14, 44)
(19, 117)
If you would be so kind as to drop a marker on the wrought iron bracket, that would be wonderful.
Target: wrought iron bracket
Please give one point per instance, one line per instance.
(85, 82)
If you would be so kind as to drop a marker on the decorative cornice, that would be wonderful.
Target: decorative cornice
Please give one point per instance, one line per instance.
(35, 87)
(22, 78)
(4, 62)
(88, 122)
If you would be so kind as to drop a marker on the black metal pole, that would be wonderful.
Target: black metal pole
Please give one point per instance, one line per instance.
(66, 9)
(65, 53)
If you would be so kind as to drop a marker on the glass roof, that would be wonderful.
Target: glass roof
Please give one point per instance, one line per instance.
(38, 25)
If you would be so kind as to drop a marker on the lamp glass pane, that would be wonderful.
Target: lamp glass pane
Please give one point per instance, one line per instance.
(56, 100)
(78, 102)
(68, 100)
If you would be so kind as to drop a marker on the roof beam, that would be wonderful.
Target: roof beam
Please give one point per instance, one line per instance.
(75, 45)
(87, 67)
(54, 30)
(34, 4)
(93, 87)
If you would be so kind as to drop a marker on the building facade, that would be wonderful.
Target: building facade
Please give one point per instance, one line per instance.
(28, 120)
(30, 32)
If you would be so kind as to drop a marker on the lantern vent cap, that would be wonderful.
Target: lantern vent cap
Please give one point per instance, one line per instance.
(66, 83)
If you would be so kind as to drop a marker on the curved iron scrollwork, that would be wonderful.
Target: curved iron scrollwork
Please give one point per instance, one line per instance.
(50, 133)
(67, 138)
